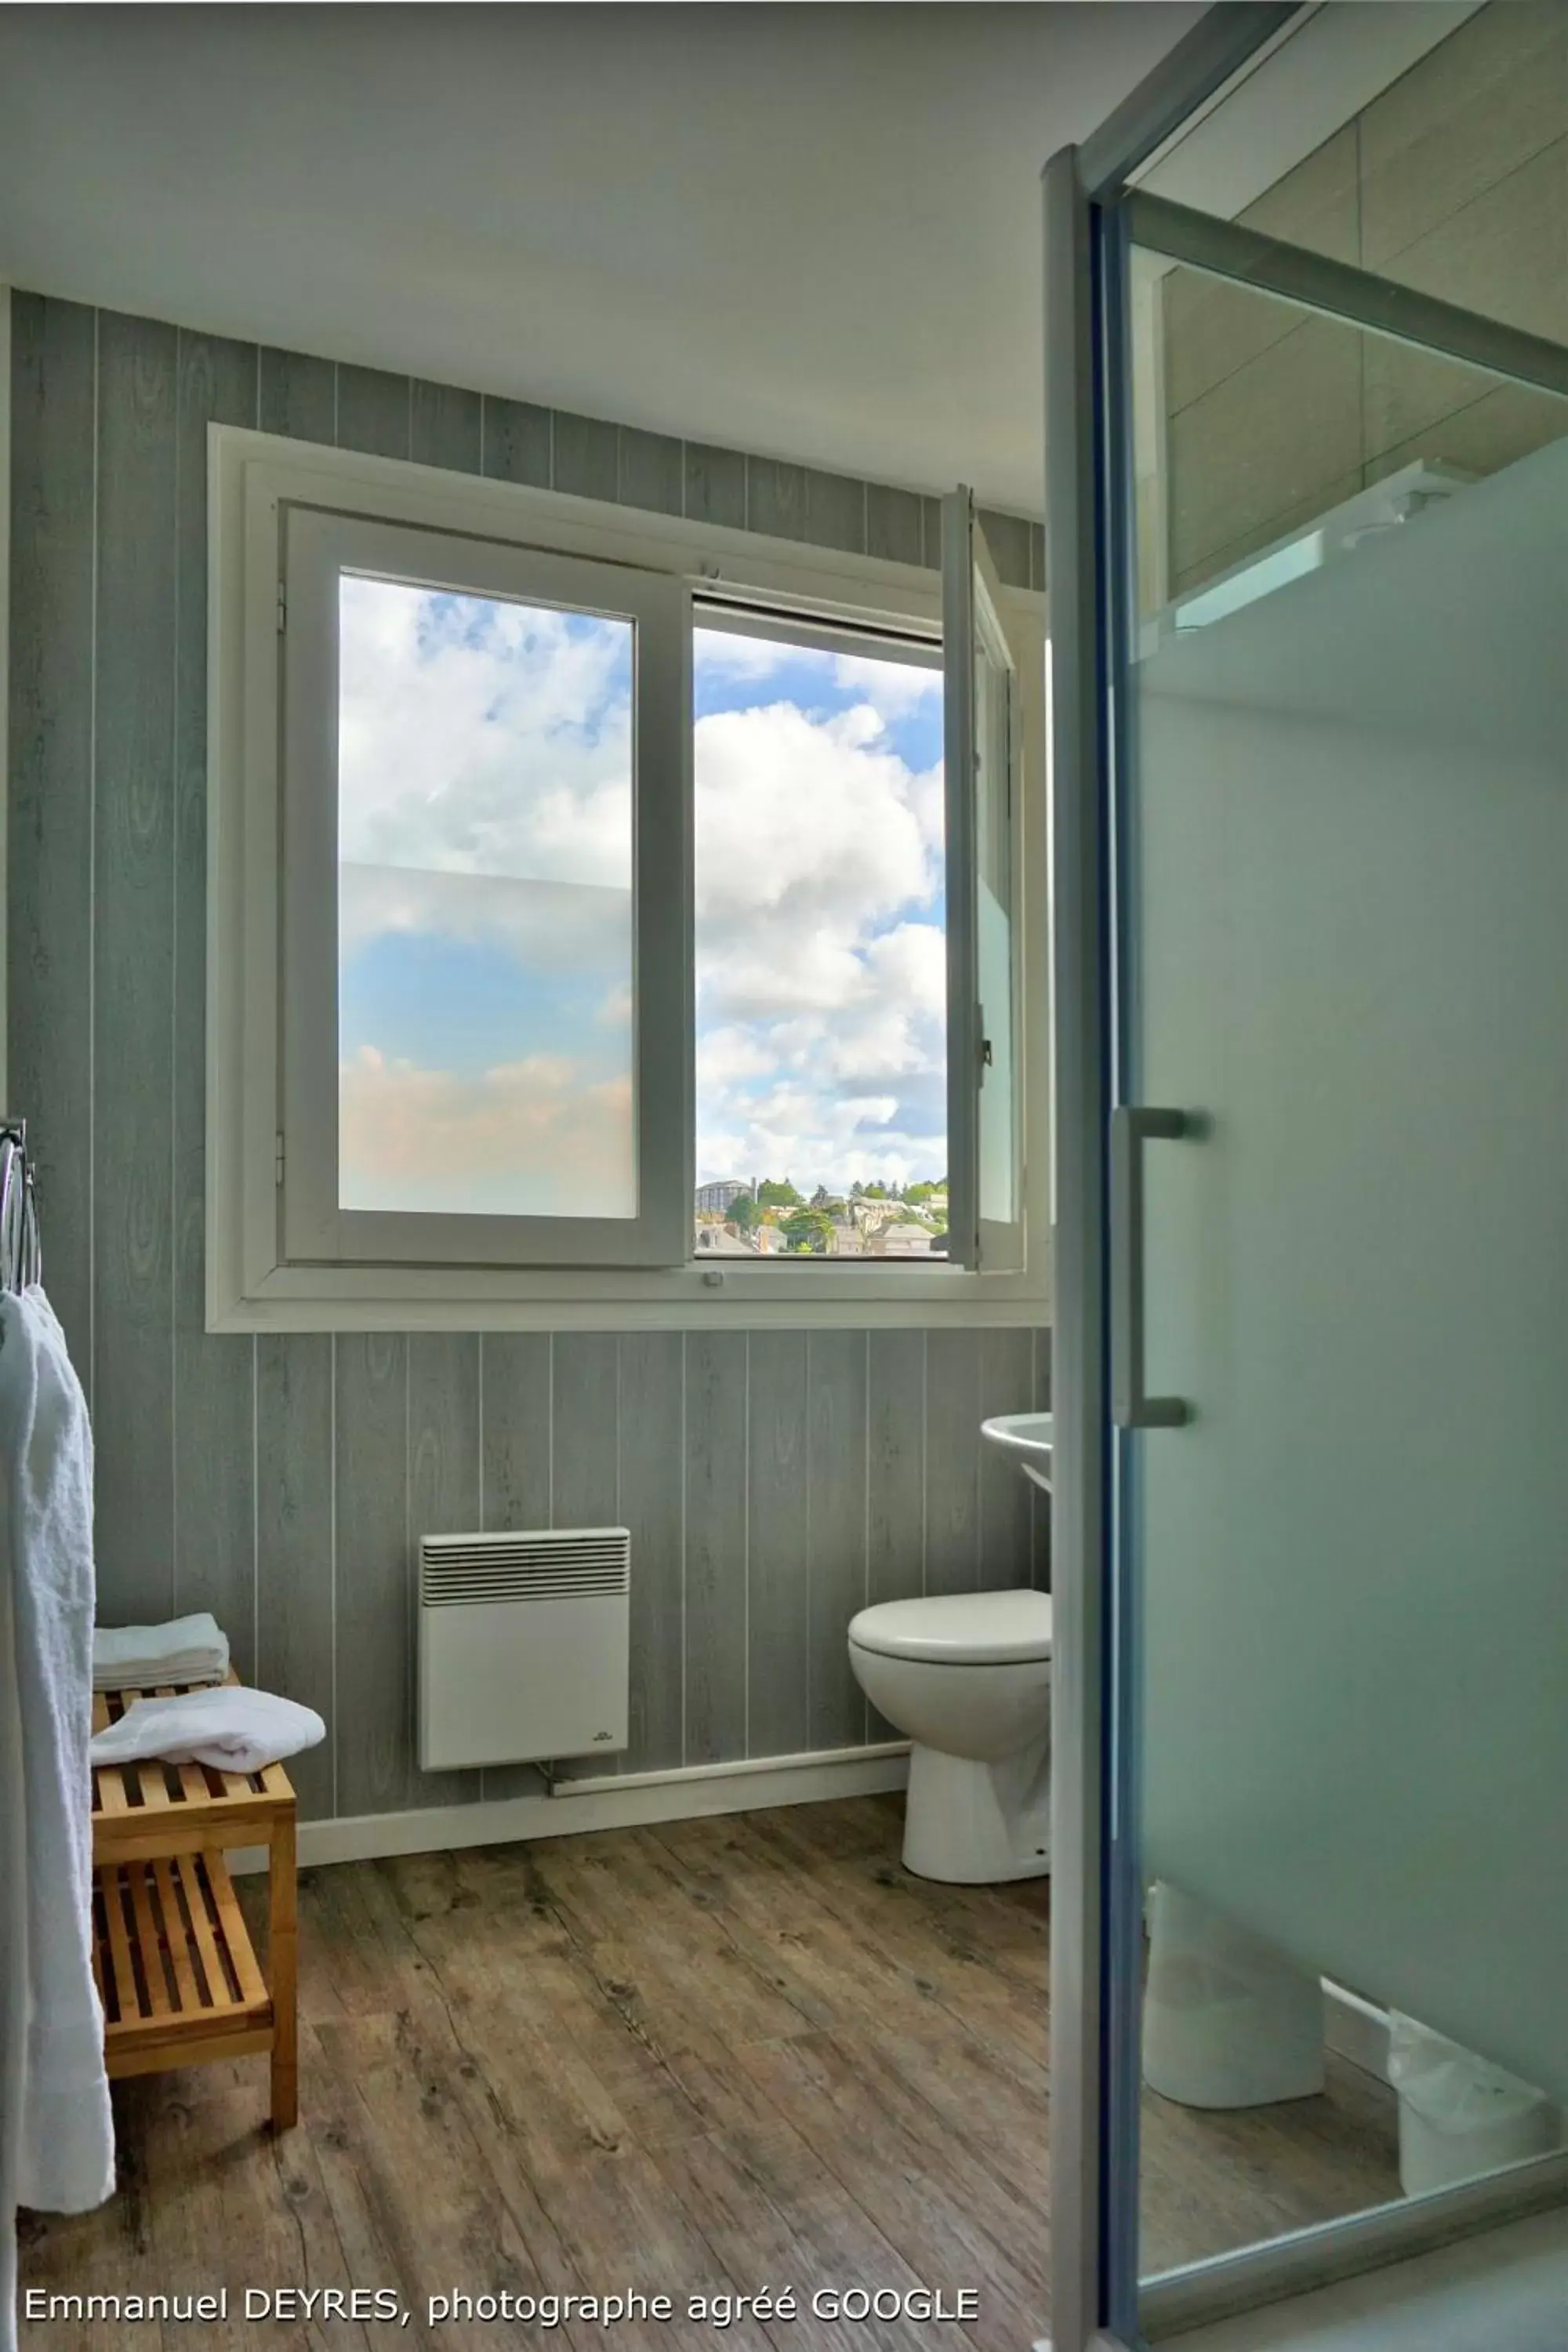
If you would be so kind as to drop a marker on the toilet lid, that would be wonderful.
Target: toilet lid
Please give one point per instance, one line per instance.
(975, 1629)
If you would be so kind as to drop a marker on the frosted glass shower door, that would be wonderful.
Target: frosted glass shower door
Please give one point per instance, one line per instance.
(1349, 827)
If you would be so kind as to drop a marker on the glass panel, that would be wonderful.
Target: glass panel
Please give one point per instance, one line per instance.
(1347, 948)
(1257, 420)
(994, 918)
(821, 974)
(484, 906)
(1435, 154)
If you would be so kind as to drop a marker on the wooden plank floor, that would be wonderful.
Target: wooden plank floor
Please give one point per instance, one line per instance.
(716, 2057)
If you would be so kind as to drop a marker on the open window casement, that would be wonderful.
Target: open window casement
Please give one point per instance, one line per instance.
(484, 1030)
(983, 753)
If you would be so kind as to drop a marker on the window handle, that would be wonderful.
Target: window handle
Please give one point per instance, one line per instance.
(1131, 1127)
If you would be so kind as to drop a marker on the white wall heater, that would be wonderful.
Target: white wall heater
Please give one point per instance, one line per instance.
(524, 1646)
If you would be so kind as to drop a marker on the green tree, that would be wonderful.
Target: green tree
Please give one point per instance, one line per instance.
(808, 1231)
(916, 1194)
(778, 1192)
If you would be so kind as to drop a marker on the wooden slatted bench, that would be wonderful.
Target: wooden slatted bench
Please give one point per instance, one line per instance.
(179, 1978)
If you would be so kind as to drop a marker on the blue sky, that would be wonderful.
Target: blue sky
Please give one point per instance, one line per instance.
(485, 912)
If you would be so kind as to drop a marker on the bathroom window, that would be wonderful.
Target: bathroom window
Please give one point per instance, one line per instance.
(821, 942)
(609, 916)
(481, 918)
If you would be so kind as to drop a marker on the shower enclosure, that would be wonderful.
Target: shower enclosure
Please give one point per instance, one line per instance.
(1307, 473)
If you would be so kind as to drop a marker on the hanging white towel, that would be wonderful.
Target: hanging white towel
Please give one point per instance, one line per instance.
(57, 2138)
(137, 1657)
(236, 1729)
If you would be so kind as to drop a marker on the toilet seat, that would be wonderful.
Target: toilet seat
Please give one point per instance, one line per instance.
(959, 1629)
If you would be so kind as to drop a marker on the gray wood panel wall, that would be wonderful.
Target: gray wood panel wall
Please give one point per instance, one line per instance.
(773, 1482)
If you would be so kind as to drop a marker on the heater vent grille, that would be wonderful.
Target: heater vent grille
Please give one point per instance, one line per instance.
(552, 1564)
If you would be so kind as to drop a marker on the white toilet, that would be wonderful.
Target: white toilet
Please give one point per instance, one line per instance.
(967, 1675)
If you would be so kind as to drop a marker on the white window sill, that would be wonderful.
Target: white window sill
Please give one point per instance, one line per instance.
(378, 1298)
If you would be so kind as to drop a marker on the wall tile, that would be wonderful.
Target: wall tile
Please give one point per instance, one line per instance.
(715, 1546)
(374, 1592)
(652, 467)
(1404, 392)
(775, 499)
(953, 1462)
(1504, 254)
(778, 1603)
(1496, 430)
(133, 922)
(446, 427)
(375, 412)
(1006, 1385)
(1464, 118)
(836, 1545)
(895, 1477)
(442, 1473)
(1306, 510)
(715, 485)
(516, 442)
(299, 397)
(892, 524)
(1273, 436)
(1039, 1502)
(1212, 328)
(296, 1630)
(587, 456)
(50, 949)
(584, 1414)
(652, 1505)
(213, 1451)
(835, 511)
(896, 1465)
(930, 533)
(515, 1415)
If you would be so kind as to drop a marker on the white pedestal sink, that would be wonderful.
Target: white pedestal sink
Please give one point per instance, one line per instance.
(1026, 1436)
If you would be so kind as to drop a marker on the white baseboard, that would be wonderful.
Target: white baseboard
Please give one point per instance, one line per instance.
(607, 1801)
(1356, 2028)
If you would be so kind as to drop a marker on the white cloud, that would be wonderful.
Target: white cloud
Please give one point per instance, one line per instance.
(529, 1137)
(892, 688)
(815, 819)
(819, 962)
(478, 736)
(736, 655)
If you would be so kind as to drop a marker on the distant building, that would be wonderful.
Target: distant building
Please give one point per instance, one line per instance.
(717, 1198)
(899, 1240)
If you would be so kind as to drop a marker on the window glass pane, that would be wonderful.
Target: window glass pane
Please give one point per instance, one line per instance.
(484, 906)
(994, 927)
(821, 970)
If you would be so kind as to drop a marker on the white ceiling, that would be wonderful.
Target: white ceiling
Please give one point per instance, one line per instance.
(800, 229)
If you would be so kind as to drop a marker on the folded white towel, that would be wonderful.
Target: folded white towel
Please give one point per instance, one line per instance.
(236, 1729)
(134, 1658)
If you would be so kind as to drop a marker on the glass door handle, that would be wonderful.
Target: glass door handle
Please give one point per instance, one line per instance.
(1132, 1126)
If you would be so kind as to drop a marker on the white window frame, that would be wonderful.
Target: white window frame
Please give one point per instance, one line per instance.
(319, 547)
(252, 479)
